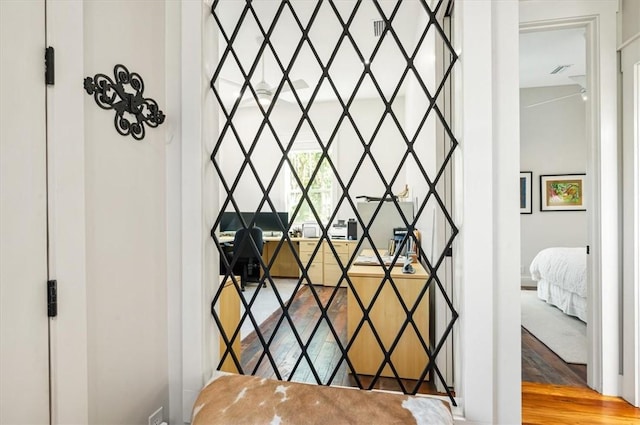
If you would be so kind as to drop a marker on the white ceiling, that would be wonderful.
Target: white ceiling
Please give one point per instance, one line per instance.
(543, 51)
(387, 65)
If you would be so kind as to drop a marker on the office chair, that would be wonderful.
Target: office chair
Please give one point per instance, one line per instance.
(247, 259)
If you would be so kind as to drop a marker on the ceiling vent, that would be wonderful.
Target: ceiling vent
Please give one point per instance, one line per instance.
(378, 27)
(560, 68)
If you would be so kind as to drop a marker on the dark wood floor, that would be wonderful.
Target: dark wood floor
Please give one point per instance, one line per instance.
(554, 395)
(541, 365)
(323, 350)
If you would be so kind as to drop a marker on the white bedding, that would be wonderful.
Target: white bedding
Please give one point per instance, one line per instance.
(561, 274)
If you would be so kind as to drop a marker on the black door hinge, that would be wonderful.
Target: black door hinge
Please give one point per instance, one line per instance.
(448, 252)
(588, 249)
(49, 66)
(52, 298)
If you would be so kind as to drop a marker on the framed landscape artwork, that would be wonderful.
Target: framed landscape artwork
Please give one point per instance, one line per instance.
(562, 192)
(525, 192)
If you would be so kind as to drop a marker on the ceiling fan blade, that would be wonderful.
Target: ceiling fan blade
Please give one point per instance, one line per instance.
(555, 99)
(297, 84)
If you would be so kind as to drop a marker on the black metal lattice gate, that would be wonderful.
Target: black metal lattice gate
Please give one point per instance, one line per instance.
(322, 58)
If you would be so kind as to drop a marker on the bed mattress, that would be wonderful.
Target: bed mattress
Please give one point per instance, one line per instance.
(561, 274)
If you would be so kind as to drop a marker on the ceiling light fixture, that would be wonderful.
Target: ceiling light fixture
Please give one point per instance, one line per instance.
(560, 68)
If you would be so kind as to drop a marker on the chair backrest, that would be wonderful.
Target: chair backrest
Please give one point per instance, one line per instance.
(242, 246)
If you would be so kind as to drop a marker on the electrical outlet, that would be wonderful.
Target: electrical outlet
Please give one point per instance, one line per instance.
(156, 417)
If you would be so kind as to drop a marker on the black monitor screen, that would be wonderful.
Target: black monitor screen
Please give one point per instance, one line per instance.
(230, 222)
(267, 221)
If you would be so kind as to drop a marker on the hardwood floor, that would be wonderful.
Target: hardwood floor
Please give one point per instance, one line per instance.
(323, 351)
(543, 402)
(555, 392)
(541, 365)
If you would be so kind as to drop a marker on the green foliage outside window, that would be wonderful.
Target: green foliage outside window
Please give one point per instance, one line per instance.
(320, 192)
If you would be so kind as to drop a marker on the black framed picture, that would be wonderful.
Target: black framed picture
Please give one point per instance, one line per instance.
(525, 192)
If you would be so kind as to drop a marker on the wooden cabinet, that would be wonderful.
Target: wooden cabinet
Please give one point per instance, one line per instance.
(387, 317)
(325, 270)
(285, 264)
(332, 270)
(315, 271)
(229, 314)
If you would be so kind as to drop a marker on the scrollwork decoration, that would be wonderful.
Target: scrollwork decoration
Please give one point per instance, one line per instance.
(125, 95)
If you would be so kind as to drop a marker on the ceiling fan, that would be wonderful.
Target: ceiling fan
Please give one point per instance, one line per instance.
(264, 90)
(581, 80)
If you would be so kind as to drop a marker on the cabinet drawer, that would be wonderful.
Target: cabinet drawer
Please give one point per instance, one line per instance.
(340, 247)
(330, 258)
(309, 246)
(332, 274)
(306, 255)
(315, 273)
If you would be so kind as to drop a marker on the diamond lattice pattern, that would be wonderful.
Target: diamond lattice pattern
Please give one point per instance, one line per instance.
(313, 74)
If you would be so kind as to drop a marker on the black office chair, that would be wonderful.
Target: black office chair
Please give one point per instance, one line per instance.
(247, 258)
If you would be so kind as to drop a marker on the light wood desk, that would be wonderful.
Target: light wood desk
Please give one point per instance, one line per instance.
(284, 264)
(229, 314)
(387, 316)
(324, 268)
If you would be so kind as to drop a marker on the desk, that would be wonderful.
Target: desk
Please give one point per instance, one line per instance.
(387, 317)
(324, 269)
(229, 314)
(285, 264)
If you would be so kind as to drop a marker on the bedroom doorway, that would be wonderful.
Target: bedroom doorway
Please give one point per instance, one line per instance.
(555, 158)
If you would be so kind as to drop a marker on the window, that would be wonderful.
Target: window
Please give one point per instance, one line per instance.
(304, 162)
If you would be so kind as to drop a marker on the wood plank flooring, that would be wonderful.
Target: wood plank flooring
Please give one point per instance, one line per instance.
(323, 351)
(541, 365)
(543, 402)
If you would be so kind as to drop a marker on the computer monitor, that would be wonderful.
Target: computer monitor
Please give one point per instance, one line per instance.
(267, 221)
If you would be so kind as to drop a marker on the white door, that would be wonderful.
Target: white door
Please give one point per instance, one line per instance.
(24, 370)
(631, 220)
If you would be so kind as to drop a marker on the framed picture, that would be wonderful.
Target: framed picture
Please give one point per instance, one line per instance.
(525, 192)
(562, 192)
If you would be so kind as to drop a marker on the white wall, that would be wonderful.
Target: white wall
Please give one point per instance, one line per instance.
(552, 141)
(425, 141)
(629, 20)
(125, 222)
(346, 149)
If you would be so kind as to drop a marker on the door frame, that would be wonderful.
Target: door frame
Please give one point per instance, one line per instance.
(630, 297)
(66, 200)
(599, 21)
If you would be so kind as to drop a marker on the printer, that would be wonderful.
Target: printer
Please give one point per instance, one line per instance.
(338, 230)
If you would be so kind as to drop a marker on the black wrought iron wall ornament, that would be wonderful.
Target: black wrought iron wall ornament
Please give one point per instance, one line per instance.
(125, 95)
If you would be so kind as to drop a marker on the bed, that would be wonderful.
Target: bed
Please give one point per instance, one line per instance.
(561, 274)
(230, 399)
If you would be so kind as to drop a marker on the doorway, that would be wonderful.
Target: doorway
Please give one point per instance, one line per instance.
(318, 73)
(554, 157)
